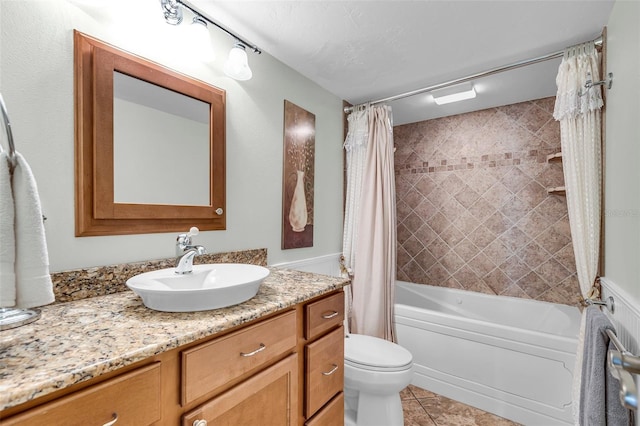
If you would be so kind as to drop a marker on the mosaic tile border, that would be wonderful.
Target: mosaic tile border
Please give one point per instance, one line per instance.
(484, 161)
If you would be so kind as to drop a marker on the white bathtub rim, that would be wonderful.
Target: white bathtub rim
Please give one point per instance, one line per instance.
(572, 313)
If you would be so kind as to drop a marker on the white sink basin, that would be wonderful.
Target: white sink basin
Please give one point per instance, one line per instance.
(210, 286)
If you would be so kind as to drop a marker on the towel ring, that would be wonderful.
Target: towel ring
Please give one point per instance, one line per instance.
(7, 128)
(13, 317)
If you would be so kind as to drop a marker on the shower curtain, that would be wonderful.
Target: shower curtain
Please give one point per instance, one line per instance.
(370, 221)
(578, 110)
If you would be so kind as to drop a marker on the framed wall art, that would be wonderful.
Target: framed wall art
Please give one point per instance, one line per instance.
(298, 177)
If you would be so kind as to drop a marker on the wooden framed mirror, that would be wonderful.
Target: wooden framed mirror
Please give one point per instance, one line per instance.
(149, 145)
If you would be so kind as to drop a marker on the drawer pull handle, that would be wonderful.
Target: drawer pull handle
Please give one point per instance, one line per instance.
(333, 314)
(112, 422)
(260, 349)
(333, 370)
(199, 423)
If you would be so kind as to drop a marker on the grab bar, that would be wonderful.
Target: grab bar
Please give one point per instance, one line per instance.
(622, 364)
(7, 127)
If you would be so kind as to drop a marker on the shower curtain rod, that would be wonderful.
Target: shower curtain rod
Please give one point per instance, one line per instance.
(597, 42)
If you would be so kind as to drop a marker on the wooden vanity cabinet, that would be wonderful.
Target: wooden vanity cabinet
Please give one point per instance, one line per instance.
(282, 370)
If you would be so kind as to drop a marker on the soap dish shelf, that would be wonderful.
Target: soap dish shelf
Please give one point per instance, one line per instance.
(558, 190)
(555, 157)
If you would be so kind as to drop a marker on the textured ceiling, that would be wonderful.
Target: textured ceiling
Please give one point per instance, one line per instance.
(367, 50)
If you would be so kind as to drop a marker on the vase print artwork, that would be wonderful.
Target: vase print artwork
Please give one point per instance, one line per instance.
(298, 177)
(298, 210)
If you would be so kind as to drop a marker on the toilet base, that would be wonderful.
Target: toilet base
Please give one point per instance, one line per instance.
(375, 410)
(349, 417)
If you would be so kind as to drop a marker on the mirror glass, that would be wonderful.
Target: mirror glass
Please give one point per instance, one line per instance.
(165, 134)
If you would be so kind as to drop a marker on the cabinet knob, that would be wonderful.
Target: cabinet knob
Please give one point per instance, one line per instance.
(199, 423)
(219, 212)
(113, 421)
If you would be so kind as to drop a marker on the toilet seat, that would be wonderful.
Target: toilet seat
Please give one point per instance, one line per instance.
(375, 354)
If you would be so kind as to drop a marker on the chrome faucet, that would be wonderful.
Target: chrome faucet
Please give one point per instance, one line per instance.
(185, 251)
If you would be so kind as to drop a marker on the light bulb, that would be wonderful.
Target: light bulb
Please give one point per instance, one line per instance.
(237, 65)
(199, 39)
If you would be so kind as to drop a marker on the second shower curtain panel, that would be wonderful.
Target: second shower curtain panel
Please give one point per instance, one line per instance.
(369, 246)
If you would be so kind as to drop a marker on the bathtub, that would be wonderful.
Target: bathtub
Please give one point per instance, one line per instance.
(509, 356)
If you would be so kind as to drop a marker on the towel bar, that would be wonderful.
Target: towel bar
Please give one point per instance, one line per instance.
(622, 364)
(628, 361)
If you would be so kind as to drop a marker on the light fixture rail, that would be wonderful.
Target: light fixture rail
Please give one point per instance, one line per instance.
(173, 15)
(597, 42)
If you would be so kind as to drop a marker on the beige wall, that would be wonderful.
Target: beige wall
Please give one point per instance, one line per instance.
(622, 150)
(36, 73)
(473, 207)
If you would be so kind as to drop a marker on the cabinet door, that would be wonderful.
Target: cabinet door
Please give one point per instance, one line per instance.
(331, 414)
(267, 398)
(324, 370)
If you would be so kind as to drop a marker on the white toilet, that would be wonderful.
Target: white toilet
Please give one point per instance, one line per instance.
(375, 371)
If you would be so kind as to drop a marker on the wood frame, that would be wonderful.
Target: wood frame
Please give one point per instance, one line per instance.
(299, 142)
(96, 211)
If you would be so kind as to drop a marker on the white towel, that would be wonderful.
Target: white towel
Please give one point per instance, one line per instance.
(7, 237)
(33, 281)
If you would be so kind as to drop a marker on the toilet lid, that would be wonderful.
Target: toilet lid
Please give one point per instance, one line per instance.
(372, 353)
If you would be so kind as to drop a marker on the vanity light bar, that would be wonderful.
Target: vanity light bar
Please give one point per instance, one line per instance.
(173, 15)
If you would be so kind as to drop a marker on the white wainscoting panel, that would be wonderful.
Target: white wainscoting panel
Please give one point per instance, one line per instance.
(626, 316)
(626, 319)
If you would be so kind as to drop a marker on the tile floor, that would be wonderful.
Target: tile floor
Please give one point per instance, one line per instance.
(424, 408)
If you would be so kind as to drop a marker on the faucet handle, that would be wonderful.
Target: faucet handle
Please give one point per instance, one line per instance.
(184, 240)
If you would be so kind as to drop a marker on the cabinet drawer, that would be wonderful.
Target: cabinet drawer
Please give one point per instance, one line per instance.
(211, 365)
(133, 397)
(324, 370)
(331, 414)
(324, 314)
(268, 398)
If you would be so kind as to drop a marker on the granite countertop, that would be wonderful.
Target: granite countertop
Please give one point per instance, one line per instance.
(79, 340)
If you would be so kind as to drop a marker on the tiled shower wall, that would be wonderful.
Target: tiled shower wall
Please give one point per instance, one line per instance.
(473, 208)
